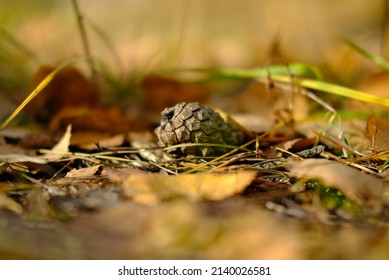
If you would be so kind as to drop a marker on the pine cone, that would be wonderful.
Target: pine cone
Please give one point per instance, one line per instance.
(193, 123)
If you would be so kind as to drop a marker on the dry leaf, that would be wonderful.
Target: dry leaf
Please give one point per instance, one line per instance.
(37, 140)
(69, 88)
(378, 131)
(62, 146)
(118, 175)
(83, 172)
(299, 144)
(10, 204)
(161, 92)
(260, 100)
(91, 141)
(362, 188)
(94, 119)
(150, 188)
(293, 146)
(11, 158)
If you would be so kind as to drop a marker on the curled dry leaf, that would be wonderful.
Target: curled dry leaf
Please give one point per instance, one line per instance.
(362, 188)
(151, 188)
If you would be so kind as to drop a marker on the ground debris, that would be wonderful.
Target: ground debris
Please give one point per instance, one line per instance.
(128, 191)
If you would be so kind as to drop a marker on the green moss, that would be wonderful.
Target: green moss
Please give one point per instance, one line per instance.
(331, 198)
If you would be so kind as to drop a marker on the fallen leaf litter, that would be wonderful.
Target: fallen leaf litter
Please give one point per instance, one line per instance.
(103, 179)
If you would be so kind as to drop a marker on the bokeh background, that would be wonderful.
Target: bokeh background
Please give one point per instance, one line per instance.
(139, 36)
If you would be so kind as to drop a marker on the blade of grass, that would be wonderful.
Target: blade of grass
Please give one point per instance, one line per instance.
(334, 89)
(38, 89)
(380, 61)
(295, 69)
(283, 75)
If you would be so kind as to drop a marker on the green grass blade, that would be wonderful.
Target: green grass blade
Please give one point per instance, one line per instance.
(282, 74)
(380, 61)
(335, 89)
(38, 89)
(295, 69)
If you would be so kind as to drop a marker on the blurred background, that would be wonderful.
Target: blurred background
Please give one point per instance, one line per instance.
(139, 36)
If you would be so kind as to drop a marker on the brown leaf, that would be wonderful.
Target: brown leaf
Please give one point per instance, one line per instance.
(92, 119)
(293, 146)
(69, 88)
(162, 92)
(10, 158)
(88, 140)
(263, 101)
(378, 131)
(37, 140)
(150, 188)
(362, 188)
(83, 172)
(118, 175)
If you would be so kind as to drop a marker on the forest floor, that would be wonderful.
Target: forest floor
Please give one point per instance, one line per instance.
(89, 168)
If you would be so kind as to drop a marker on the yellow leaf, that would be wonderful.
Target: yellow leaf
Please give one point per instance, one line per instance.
(151, 188)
